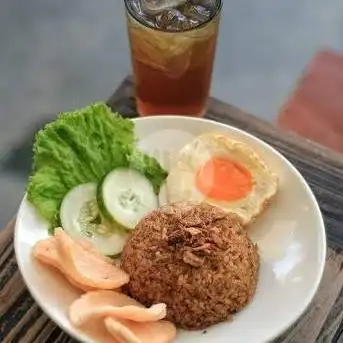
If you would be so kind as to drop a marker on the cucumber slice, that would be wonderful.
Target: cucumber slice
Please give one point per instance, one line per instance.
(125, 196)
(80, 217)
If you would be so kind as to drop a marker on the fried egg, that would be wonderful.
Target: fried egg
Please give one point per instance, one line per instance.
(216, 169)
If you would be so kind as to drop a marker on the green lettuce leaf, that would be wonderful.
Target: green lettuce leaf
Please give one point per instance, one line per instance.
(79, 147)
(147, 166)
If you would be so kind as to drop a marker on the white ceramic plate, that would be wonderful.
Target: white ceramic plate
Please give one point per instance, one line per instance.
(290, 234)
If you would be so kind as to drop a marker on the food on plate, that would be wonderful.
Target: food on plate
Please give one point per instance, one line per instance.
(106, 315)
(101, 304)
(195, 258)
(81, 217)
(105, 213)
(82, 147)
(125, 196)
(97, 332)
(90, 269)
(89, 247)
(46, 252)
(133, 332)
(223, 172)
(125, 319)
(80, 264)
(190, 262)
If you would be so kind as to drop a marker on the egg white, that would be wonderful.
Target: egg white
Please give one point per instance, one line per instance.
(181, 186)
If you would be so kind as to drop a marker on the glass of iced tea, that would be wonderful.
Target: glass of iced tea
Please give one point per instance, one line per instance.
(173, 46)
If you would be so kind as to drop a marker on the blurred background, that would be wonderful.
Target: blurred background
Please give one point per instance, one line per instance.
(58, 55)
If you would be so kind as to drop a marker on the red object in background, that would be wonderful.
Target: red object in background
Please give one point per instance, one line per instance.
(315, 109)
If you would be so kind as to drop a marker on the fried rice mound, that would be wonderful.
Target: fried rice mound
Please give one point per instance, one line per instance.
(194, 257)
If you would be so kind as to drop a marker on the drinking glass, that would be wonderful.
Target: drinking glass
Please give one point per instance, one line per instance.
(172, 63)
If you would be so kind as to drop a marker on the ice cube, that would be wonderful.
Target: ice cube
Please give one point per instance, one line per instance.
(137, 6)
(204, 3)
(196, 13)
(172, 19)
(158, 6)
(148, 19)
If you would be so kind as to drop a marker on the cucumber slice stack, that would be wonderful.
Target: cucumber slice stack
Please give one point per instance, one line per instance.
(105, 213)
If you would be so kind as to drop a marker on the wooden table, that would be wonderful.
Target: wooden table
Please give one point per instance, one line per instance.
(21, 320)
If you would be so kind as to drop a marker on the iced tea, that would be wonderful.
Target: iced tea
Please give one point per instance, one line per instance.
(173, 46)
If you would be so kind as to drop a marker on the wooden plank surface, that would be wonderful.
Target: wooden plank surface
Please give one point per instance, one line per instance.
(21, 320)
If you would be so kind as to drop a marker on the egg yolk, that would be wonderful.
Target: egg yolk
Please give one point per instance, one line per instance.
(222, 179)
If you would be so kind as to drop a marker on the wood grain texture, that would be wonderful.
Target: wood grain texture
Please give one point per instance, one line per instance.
(21, 320)
(318, 323)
